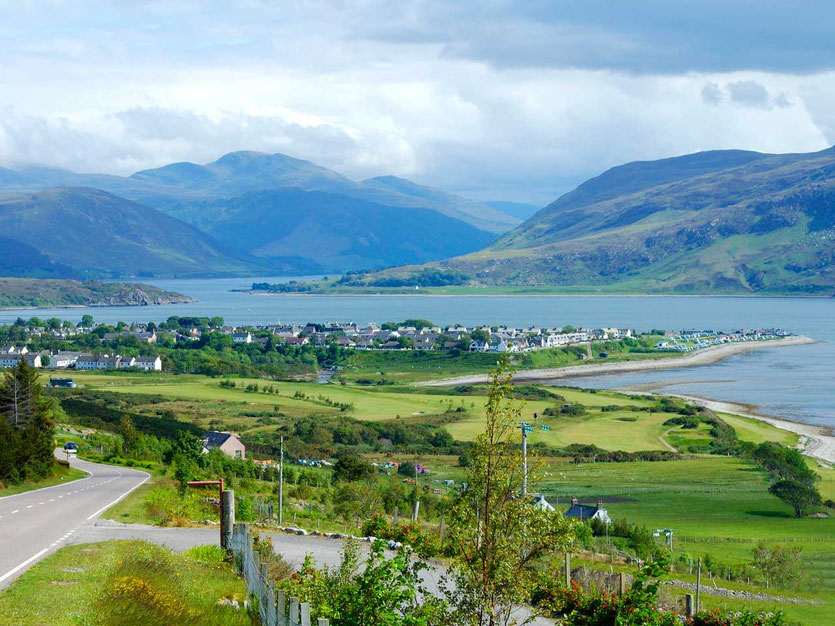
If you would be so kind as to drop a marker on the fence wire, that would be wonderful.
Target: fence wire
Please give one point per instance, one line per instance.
(275, 608)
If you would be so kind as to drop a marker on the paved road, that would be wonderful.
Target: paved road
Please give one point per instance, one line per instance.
(35, 523)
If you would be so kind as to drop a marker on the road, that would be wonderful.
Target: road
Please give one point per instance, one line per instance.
(35, 523)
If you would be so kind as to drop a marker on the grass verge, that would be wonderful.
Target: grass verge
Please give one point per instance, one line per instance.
(124, 582)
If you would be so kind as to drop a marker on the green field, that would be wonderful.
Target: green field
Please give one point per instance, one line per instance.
(202, 401)
(75, 586)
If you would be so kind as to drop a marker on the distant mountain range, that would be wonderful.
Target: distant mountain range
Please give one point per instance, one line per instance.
(246, 213)
(713, 222)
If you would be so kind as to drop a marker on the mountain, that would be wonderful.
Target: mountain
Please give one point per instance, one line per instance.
(73, 231)
(519, 210)
(237, 173)
(25, 292)
(332, 231)
(711, 222)
(402, 192)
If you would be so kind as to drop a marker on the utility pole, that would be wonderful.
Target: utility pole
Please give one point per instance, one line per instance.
(281, 483)
(526, 428)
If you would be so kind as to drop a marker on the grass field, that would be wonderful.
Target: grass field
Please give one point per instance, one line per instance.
(122, 582)
(60, 475)
(201, 400)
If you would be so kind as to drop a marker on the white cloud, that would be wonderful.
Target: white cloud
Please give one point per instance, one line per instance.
(418, 91)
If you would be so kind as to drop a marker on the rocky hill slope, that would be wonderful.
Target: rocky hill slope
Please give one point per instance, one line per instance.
(711, 222)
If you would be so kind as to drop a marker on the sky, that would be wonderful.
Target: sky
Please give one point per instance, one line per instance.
(496, 100)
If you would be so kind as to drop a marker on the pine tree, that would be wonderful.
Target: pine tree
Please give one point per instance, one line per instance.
(20, 394)
(27, 430)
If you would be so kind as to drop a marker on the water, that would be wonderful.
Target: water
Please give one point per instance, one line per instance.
(792, 382)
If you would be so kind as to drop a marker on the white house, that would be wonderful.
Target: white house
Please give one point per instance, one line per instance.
(242, 337)
(149, 363)
(126, 361)
(586, 511)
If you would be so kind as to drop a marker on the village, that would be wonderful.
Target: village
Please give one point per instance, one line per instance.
(349, 335)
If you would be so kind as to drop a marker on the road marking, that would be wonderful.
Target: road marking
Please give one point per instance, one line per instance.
(40, 503)
(15, 511)
(14, 570)
(29, 506)
(104, 508)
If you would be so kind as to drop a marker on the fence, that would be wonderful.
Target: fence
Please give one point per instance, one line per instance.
(275, 607)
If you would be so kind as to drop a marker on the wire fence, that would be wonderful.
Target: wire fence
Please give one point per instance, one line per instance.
(275, 608)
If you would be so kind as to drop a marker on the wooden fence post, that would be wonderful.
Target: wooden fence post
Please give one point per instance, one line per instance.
(321, 622)
(294, 611)
(567, 569)
(688, 605)
(304, 620)
(621, 584)
(281, 605)
(227, 517)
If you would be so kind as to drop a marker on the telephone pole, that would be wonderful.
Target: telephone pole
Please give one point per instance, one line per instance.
(526, 428)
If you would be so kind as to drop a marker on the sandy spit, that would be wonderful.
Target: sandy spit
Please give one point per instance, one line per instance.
(816, 441)
(706, 356)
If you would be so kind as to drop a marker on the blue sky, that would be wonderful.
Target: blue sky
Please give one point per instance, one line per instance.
(496, 100)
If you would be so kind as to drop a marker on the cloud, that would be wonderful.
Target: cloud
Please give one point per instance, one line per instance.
(518, 101)
(711, 93)
(749, 93)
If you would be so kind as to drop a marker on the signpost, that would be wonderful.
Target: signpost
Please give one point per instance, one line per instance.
(227, 508)
(668, 535)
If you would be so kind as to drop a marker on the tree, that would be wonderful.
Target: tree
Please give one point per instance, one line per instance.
(481, 335)
(498, 535)
(129, 434)
(86, 321)
(20, 394)
(777, 564)
(350, 467)
(797, 495)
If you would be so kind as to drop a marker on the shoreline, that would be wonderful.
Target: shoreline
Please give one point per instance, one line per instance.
(417, 293)
(706, 356)
(816, 441)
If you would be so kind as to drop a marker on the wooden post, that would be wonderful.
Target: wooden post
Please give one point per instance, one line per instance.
(227, 517)
(264, 571)
(322, 622)
(688, 605)
(567, 569)
(621, 584)
(281, 604)
(415, 509)
(305, 614)
(698, 585)
(294, 611)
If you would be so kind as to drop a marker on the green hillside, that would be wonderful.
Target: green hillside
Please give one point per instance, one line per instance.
(712, 222)
(82, 231)
(331, 232)
(24, 292)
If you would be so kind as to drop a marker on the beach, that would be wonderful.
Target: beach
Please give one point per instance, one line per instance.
(705, 356)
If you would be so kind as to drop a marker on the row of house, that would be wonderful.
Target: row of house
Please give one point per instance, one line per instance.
(11, 355)
(373, 337)
(108, 362)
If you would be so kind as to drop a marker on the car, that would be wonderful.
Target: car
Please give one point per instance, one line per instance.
(71, 447)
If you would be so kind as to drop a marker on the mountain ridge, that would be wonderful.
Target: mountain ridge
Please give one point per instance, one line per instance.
(718, 221)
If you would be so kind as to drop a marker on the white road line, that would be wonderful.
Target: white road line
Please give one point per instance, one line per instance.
(15, 511)
(29, 506)
(14, 570)
(104, 508)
